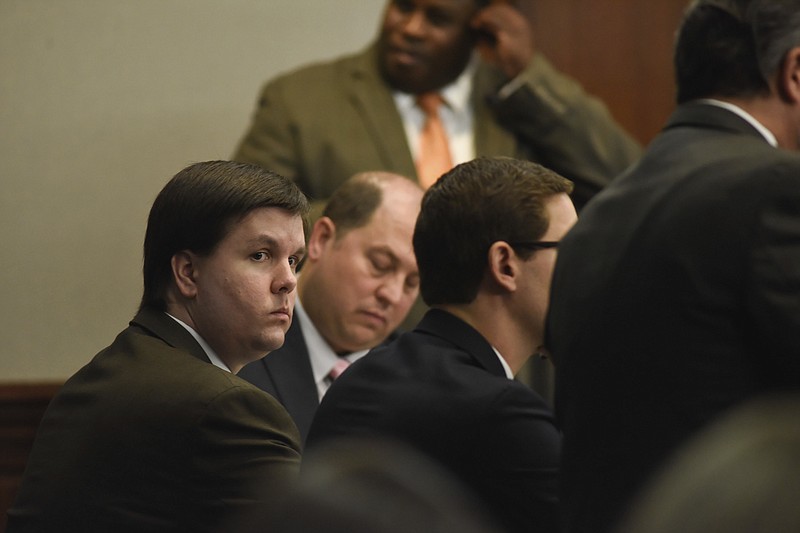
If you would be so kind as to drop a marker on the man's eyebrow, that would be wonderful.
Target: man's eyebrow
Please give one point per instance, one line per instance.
(271, 242)
(264, 239)
(380, 249)
(386, 252)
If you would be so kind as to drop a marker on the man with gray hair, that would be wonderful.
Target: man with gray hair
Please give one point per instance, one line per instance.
(677, 295)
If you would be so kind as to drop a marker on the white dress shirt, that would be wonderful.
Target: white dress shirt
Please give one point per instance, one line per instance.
(457, 117)
(321, 355)
(509, 373)
(768, 135)
(212, 355)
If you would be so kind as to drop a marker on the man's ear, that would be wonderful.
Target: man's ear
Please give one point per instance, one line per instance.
(184, 273)
(503, 266)
(322, 234)
(789, 76)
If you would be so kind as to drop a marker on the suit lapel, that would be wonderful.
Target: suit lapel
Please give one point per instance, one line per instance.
(700, 115)
(456, 331)
(374, 102)
(157, 323)
(289, 369)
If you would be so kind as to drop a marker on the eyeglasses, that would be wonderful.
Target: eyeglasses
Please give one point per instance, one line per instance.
(534, 245)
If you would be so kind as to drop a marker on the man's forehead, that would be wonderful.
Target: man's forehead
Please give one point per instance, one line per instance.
(270, 224)
(451, 4)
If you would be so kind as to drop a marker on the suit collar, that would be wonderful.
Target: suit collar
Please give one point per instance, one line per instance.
(158, 324)
(453, 329)
(373, 100)
(289, 370)
(703, 115)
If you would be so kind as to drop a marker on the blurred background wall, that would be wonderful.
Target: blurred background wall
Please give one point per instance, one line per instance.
(101, 102)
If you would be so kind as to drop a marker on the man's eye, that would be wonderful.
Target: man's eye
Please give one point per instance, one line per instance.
(381, 265)
(439, 19)
(260, 256)
(293, 261)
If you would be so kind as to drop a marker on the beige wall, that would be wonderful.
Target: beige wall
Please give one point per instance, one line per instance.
(101, 101)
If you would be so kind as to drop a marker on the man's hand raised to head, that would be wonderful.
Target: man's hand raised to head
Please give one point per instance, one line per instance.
(506, 37)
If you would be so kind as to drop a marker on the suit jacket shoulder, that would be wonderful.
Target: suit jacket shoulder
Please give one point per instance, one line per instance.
(441, 389)
(150, 436)
(674, 278)
(325, 122)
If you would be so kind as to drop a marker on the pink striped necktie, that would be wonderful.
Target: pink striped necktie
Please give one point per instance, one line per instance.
(340, 366)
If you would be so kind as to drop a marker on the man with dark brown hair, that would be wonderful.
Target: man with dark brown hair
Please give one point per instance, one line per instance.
(157, 433)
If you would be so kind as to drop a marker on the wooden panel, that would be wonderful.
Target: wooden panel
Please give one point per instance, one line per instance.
(620, 51)
(21, 409)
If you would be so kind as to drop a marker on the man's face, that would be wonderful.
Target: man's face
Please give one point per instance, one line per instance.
(245, 289)
(359, 287)
(425, 44)
(540, 265)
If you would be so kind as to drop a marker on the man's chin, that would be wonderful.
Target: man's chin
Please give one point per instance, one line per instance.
(406, 78)
(364, 338)
(274, 341)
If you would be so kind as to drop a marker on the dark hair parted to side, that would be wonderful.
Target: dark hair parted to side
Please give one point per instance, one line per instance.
(196, 209)
(731, 48)
(467, 210)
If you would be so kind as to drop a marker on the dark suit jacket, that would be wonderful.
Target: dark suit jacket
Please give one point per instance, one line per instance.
(441, 389)
(150, 436)
(286, 374)
(675, 297)
(323, 123)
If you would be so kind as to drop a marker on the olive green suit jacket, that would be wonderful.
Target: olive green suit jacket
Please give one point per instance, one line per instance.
(150, 436)
(323, 123)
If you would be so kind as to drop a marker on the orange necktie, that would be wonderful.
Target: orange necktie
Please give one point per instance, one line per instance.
(433, 157)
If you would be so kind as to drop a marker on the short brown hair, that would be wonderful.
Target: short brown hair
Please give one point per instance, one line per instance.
(196, 209)
(467, 210)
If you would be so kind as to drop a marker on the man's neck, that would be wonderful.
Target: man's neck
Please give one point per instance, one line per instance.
(498, 328)
(212, 355)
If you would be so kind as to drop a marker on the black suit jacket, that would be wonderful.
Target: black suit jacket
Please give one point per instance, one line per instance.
(675, 297)
(286, 374)
(150, 436)
(442, 389)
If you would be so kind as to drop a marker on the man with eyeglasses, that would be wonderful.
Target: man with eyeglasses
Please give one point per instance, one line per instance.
(485, 246)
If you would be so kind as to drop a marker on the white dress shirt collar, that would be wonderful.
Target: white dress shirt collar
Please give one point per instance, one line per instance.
(212, 355)
(768, 135)
(320, 354)
(509, 373)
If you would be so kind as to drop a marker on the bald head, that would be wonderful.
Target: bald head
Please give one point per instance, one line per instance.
(360, 277)
(354, 203)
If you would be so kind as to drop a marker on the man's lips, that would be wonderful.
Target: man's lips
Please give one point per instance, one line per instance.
(283, 312)
(374, 317)
(405, 56)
